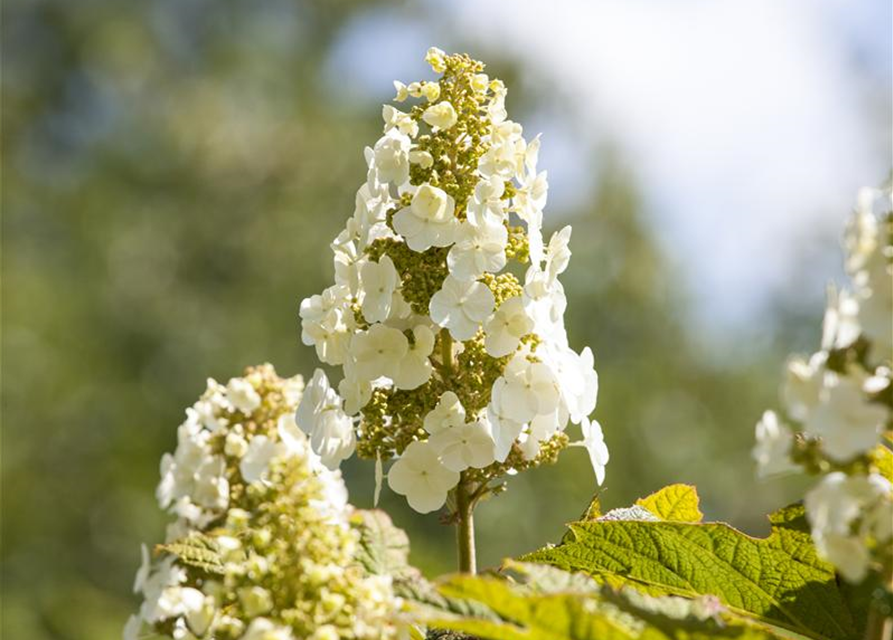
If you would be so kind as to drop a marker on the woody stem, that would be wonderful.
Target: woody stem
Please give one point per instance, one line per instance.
(465, 527)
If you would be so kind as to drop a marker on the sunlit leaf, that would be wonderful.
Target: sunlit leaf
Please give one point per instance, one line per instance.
(778, 579)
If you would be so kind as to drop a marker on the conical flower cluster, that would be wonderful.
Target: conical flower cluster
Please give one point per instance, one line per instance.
(447, 313)
(840, 401)
(262, 547)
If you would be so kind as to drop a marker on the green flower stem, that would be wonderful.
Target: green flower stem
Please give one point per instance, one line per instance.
(446, 351)
(465, 527)
(465, 498)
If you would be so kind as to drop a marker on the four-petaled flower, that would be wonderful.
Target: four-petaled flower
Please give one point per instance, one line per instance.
(378, 351)
(461, 307)
(420, 476)
(506, 327)
(428, 221)
(379, 283)
(479, 249)
(464, 445)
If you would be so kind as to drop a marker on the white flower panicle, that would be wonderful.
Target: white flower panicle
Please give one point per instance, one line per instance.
(451, 363)
(263, 546)
(839, 402)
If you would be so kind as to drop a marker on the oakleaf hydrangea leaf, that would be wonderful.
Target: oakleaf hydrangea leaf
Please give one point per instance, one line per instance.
(778, 580)
(604, 615)
(675, 503)
(384, 548)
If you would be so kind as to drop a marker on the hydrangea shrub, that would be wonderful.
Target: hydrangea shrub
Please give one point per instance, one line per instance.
(445, 323)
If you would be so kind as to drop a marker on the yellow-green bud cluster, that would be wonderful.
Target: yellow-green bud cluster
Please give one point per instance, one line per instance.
(275, 559)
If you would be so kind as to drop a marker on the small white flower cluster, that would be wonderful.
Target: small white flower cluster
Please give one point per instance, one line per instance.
(841, 398)
(452, 194)
(262, 547)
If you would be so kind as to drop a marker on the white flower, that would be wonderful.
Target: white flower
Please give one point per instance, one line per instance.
(378, 351)
(530, 196)
(333, 439)
(263, 629)
(545, 302)
(354, 391)
(431, 91)
(876, 302)
(415, 368)
(254, 464)
(803, 384)
(235, 444)
(164, 597)
(479, 249)
(772, 451)
(846, 420)
(505, 328)
(428, 221)
(861, 236)
(461, 307)
(505, 157)
(242, 395)
(421, 158)
(211, 486)
(179, 471)
(539, 430)
(840, 327)
(594, 443)
(505, 430)
(437, 59)
(402, 121)
(392, 157)
(379, 283)
(496, 108)
(849, 555)
(293, 440)
(558, 255)
(402, 93)
(321, 417)
(441, 115)
(326, 322)
(531, 389)
(449, 412)
(369, 221)
(142, 573)
(420, 476)
(464, 445)
(836, 506)
(486, 207)
(199, 620)
(576, 378)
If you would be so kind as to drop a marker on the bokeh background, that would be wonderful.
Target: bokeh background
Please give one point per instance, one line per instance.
(173, 171)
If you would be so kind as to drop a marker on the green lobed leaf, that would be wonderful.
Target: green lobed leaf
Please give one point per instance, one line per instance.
(778, 580)
(384, 548)
(602, 615)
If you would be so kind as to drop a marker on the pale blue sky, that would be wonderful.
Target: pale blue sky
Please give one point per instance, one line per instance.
(751, 124)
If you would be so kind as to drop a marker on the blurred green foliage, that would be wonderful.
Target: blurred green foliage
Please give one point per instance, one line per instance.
(173, 173)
